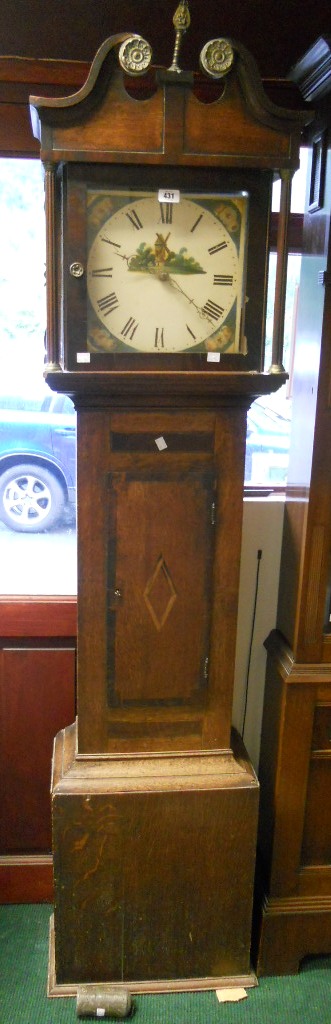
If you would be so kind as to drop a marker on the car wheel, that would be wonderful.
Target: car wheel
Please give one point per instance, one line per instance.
(31, 498)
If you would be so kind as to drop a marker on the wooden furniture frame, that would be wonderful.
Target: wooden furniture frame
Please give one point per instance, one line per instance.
(295, 766)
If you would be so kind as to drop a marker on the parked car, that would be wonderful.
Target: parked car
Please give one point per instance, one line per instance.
(38, 456)
(37, 460)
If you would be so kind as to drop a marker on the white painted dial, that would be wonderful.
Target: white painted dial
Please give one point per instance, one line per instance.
(166, 277)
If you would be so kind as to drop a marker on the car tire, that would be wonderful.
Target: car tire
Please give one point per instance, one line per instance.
(31, 498)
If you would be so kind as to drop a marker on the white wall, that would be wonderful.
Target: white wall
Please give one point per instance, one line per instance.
(262, 530)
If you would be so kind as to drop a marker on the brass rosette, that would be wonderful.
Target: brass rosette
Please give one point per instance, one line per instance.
(216, 58)
(135, 55)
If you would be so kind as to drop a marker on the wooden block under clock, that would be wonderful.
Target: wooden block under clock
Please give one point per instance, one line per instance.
(153, 868)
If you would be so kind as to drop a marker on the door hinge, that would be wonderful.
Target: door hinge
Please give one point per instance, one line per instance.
(205, 668)
(213, 513)
(324, 277)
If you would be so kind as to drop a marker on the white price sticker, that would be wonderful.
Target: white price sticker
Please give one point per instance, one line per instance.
(83, 357)
(166, 195)
(161, 444)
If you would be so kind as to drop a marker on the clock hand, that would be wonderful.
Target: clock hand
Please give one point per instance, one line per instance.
(161, 252)
(123, 257)
(175, 284)
(161, 274)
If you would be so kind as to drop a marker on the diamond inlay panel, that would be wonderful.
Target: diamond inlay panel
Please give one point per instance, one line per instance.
(160, 594)
(160, 558)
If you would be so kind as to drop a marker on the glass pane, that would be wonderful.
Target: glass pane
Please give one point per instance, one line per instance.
(269, 419)
(298, 191)
(37, 427)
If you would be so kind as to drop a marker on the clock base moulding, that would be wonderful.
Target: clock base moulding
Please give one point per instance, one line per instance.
(151, 389)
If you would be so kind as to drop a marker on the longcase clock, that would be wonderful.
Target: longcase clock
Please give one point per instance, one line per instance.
(158, 204)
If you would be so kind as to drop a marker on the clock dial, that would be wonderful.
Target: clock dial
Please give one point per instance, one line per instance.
(165, 277)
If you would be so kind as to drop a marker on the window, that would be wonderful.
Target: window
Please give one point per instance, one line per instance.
(269, 419)
(37, 427)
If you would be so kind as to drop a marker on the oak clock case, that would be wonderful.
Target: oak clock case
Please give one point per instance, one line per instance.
(156, 314)
(149, 283)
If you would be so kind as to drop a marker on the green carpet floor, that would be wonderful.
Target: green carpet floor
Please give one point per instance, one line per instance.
(302, 999)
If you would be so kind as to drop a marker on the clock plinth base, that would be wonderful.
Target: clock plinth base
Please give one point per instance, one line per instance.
(56, 990)
(153, 886)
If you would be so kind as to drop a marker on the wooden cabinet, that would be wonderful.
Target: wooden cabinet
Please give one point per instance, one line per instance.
(295, 764)
(295, 820)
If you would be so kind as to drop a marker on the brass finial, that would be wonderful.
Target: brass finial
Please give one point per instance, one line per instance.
(181, 21)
